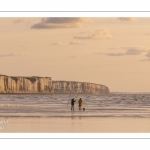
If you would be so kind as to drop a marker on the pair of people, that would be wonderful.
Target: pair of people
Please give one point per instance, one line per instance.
(72, 104)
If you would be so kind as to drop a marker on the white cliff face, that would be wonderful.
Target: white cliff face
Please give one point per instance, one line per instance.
(25, 84)
(78, 87)
(46, 85)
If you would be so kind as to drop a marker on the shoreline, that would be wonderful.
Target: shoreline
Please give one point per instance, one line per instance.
(91, 117)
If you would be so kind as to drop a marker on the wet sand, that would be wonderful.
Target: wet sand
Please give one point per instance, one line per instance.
(74, 125)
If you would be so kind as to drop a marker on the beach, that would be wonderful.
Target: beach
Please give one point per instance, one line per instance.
(112, 113)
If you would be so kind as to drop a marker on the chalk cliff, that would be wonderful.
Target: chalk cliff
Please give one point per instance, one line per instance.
(25, 84)
(78, 87)
(9, 84)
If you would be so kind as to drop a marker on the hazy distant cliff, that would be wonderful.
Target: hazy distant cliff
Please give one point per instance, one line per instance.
(10, 84)
(78, 87)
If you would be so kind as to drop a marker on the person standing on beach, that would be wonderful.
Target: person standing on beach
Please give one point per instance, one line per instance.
(72, 104)
(80, 103)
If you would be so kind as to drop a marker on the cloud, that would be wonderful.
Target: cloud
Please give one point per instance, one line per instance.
(148, 54)
(64, 20)
(77, 43)
(130, 19)
(60, 22)
(129, 51)
(51, 26)
(115, 54)
(13, 54)
(135, 51)
(70, 43)
(148, 57)
(110, 54)
(147, 33)
(59, 43)
(99, 34)
(21, 21)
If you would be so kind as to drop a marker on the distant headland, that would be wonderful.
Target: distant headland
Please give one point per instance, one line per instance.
(35, 84)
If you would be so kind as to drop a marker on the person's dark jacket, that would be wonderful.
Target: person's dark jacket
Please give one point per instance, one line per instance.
(72, 101)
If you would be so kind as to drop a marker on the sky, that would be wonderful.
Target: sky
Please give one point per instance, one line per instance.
(110, 51)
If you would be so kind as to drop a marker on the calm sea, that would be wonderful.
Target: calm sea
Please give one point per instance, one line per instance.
(58, 105)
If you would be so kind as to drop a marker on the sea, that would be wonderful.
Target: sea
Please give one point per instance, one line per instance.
(59, 105)
(50, 116)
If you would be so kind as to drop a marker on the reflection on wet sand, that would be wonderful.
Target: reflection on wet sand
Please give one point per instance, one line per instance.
(74, 125)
